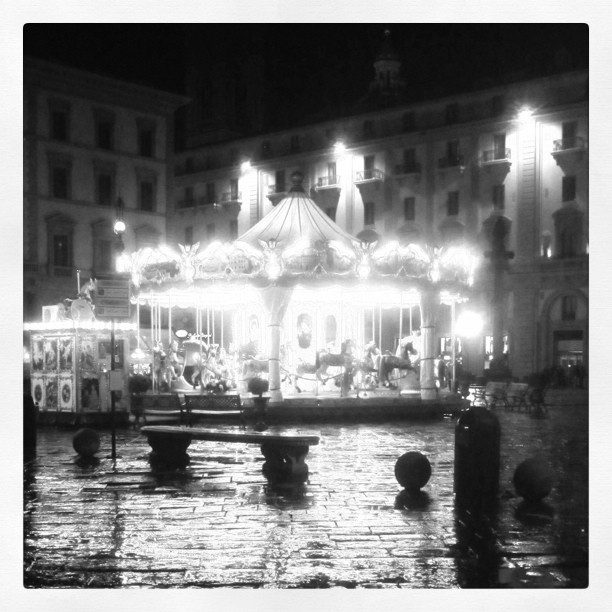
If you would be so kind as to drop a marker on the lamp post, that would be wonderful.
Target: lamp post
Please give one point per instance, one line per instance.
(119, 229)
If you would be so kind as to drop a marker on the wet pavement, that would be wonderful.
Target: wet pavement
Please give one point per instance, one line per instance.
(217, 524)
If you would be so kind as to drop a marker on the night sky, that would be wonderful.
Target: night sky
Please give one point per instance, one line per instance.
(309, 67)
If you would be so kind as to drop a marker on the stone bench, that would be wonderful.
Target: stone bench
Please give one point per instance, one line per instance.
(157, 407)
(284, 452)
(212, 405)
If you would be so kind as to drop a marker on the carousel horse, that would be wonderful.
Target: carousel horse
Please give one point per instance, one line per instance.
(344, 359)
(400, 361)
(368, 368)
(163, 370)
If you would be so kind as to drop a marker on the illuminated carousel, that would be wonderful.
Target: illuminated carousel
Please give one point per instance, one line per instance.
(300, 302)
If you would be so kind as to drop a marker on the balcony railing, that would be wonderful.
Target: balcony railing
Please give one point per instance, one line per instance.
(566, 144)
(450, 162)
(371, 174)
(495, 155)
(230, 197)
(328, 181)
(277, 189)
(413, 168)
(186, 203)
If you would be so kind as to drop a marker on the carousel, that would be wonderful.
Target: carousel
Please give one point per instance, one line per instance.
(298, 302)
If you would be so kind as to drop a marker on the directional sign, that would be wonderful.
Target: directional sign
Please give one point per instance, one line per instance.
(112, 298)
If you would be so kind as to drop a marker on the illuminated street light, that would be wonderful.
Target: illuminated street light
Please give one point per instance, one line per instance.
(524, 114)
(469, 324)
(339, 148)
(245, 166)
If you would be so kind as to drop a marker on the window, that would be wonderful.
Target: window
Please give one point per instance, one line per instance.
(499, 196)
(211, 194)
(331, 212)
(569, 242)
(568, 134)
(568, 188)
(189, 165)
(104, 132)
(368, 213)
(60, 179)
(59, 124)
(103, 255)
(452, 113)
(233, 229)
(146, 139)
(499, 146)
(452, 150)
(409, 160)
(60, 237)
(279, 178)
(408, 121)
(188, 196)
(234, 189)
(409, 209)
(331, 172)
(210, 231)
(61, 250)
(189, 235)
(295, 144)
(452, 203)
(146, 195)
(568, 307)
(60, 172)
(104, 189)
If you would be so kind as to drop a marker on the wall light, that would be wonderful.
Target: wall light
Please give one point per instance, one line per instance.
(245, 166)
(339, 148)
(469, 324)
(524, 114)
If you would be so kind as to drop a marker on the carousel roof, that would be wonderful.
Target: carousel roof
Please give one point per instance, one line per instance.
(296, 218)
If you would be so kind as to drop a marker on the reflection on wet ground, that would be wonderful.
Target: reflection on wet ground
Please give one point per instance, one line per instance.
(216, 523)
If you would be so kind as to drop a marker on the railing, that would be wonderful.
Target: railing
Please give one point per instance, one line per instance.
(575, 142)
(328, 181)
(450, 162)
(408, 168)
(371, 174)
(491, 155)
(185, 203)
(231, 196)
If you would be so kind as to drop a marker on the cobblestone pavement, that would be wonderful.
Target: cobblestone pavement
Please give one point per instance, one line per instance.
(121, 524)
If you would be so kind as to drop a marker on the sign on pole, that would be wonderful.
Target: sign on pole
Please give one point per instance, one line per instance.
(112, 297)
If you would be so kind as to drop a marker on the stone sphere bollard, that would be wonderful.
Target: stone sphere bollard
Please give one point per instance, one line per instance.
(533, 480)
(412, 470)
(86, 442)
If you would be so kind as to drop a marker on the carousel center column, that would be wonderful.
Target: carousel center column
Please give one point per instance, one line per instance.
(276, 299)
(428, 329)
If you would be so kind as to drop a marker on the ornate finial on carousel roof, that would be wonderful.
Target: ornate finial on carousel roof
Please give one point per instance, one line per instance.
(296, 181)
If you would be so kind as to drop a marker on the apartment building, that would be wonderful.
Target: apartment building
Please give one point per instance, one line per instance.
(94, 148)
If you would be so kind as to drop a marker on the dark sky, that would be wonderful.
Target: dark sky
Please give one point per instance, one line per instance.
(311, 65)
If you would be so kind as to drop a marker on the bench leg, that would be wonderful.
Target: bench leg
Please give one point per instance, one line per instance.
(169, 449)
(285, 465)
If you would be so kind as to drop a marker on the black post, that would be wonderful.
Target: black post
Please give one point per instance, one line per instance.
(112, 393)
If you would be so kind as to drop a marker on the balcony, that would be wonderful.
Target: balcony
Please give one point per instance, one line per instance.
(330, 182)
(276, 193)
(496, 159)
(452, 163)
(371, 175)
(567, 150)
(231, 201)
(405, 171)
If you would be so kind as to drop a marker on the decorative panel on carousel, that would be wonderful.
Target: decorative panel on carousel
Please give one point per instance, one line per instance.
(66, 353)
(51, 391)
(66, 397)
(38, 389)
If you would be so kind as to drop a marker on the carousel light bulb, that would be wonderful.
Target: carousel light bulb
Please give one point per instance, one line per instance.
(273, 269)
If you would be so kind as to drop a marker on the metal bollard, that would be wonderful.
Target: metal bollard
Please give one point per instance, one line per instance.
(477, 447)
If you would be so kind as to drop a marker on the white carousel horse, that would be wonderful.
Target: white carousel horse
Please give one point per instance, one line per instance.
(344, 359)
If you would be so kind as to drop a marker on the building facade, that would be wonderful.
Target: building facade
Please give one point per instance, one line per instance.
(94, 147)
(440, 170)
